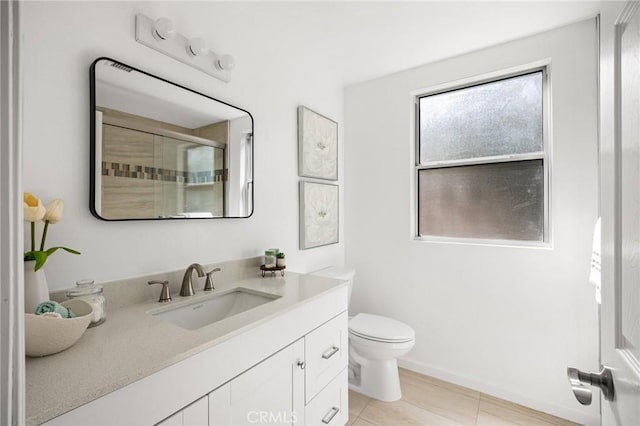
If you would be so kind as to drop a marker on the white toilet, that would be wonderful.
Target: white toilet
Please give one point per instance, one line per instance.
(375, 343)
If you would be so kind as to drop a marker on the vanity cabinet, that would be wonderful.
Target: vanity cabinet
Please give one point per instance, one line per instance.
(304, 383)
(290, 369)
(270, 392)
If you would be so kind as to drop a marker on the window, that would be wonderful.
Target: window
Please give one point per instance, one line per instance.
(482, 169)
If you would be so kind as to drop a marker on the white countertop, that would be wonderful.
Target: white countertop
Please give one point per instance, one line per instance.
(132, 344)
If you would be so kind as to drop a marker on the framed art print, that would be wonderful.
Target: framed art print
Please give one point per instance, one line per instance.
(318, 214)
(317, 145)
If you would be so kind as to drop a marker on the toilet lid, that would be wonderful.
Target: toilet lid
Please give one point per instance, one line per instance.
(383, 329)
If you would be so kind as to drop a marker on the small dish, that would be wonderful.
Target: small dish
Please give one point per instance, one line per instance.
(46, 335)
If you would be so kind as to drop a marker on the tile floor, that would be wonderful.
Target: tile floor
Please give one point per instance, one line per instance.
(429, 401)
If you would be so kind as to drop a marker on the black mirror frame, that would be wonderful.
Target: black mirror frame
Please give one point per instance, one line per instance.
(93, 153)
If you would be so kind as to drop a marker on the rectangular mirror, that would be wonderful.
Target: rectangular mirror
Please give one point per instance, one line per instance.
(162, 151)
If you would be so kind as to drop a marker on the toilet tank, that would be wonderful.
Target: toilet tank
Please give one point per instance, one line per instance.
(338, 272)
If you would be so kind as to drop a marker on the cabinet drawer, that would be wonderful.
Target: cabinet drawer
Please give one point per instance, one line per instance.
(331, 405)
(326, 354)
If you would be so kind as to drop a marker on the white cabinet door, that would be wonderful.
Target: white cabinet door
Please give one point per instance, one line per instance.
(271, 393)
(265, 394)
(220, 406)
(196, 414)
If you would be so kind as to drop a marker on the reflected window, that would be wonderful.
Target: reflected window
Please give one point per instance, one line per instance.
(482, 162)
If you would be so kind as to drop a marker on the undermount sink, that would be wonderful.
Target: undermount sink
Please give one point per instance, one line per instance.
(214, 308)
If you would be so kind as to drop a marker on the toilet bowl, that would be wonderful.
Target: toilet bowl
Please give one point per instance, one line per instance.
(375, 343)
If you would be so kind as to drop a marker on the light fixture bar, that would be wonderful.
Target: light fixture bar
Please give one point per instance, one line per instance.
(179, 48)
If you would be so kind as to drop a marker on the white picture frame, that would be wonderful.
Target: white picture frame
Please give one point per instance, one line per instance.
(317, 145)
(319, 214)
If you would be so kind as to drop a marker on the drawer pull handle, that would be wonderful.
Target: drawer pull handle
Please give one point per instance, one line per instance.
(330, 415)
(331, 352)
(302, 365)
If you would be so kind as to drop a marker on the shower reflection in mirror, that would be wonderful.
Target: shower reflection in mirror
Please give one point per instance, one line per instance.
(163, 151)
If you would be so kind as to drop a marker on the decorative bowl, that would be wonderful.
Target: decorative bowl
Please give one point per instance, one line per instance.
(46, 335)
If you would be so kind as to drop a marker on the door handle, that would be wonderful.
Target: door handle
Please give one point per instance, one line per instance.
(603, 380)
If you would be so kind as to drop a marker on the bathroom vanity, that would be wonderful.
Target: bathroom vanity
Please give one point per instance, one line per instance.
(281, 362)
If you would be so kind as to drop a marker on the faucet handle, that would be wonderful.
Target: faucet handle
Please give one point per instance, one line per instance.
(208, 284)
(165, 294)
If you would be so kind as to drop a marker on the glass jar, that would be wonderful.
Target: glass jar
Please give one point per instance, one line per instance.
(91, 293)
(270, 258)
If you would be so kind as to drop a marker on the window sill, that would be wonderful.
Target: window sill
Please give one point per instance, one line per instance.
(485, 242)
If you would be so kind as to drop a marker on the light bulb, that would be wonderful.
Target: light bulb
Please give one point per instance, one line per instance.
(163, 29)
(225, 62)
(197, 47)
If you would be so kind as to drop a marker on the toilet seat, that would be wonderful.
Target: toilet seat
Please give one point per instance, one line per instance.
(380, 329)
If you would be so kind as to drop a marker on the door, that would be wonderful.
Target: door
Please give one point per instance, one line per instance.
(620, 209)
(620, 322)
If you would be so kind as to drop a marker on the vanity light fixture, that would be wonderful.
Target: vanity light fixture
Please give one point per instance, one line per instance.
(197, 47)
(225, 63)
(163, 29)
(162, 36)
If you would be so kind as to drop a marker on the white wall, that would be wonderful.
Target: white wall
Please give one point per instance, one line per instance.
(60, 42)
(503, 320)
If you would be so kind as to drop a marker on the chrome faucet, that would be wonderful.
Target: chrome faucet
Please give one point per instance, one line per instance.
(187, 286)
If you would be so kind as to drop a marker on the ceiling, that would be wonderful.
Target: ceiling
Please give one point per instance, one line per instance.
(356, 41)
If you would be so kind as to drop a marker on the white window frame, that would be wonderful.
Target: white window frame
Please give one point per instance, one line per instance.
(544, 155)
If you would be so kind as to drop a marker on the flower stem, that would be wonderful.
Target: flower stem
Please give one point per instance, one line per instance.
(33, 236)
(44, 234)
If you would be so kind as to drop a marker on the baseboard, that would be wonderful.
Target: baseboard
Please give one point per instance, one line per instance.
(498, 392)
